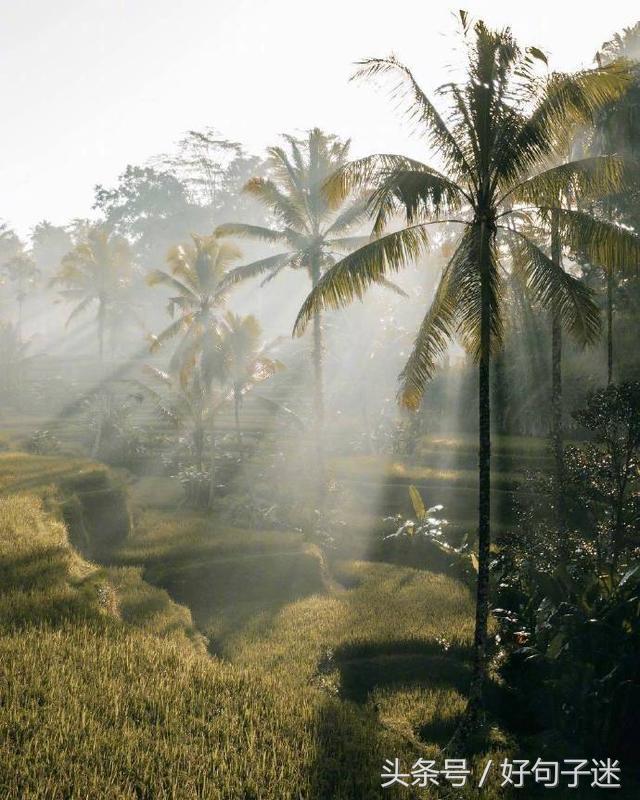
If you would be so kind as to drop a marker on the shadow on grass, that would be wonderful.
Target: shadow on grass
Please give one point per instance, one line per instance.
(349, 754)
(367, 666)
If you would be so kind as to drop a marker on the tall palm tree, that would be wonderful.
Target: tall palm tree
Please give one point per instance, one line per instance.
(13, 354)
(314, 232)
(197, 277)
(246, 359)
(502, 121)
(97, 272)
(22, 272)
(597, 178)
(618, 130)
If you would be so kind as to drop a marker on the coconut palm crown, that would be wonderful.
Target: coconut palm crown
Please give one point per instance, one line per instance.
(315, 233)
(197, 277)
(97, 272)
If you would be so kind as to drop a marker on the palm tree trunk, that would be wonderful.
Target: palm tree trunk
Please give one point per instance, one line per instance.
(20, 305)
(556, 396)
(236, 414)
(318, 353)
(198, 446)
(610, 287)
(318, 391)
(95, 449)
(212, 473)
(475, 705)
(101, 323)
(318, 388)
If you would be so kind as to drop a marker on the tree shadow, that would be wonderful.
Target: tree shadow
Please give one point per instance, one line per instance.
(349, 754)
(367, 666)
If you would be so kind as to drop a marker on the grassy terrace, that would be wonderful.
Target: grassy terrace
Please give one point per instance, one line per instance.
(108, 690)
(210, 661)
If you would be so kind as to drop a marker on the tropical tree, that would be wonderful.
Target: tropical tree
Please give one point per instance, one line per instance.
(597, 178)
(618, 131)
(503, 120)
(189, 403)
(198, 280)
(13, 354)
(314, 232)
(97, 273)
(246, 359)
(22, 272)
(185, 404)
(49, 244)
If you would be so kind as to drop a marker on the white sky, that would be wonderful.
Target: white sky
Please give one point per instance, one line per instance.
(91, 85)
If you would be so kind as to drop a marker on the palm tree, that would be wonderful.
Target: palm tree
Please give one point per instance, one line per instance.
(196, 276)
(13, 354)
(21, 271)
(246, 359)
(618, 130)
(189, 403)
(97, 272)
(597, 178)
(502, 121)
(313, 231)
(185, 404)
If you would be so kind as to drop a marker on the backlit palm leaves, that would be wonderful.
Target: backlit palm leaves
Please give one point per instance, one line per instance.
(198, 280)
(97, 272)
(312, 232)
(245, 358)
(502, 127)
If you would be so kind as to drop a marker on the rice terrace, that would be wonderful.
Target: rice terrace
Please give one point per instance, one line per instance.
(319, 450)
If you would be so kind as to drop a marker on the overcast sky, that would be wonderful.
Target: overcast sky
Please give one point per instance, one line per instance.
(92, 85)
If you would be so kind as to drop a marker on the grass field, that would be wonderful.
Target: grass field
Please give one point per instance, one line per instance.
(201, 660)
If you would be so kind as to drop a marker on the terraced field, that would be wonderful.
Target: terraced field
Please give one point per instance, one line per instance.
(192, 658)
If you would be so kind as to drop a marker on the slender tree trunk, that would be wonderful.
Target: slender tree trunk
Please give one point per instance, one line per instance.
(610, 286)
(101, 323)
(318, 388)
(236, 414)
(475, 706)
(557, 438)
(198, 447)
(95, 449)
(212, 474)
(20, 305)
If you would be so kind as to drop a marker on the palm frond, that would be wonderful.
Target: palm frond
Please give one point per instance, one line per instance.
(603, 243)
(350, 277)
(159, 277)
(168, 333)
(420, 108)
(466, 279)
(584, 179)
(420, 195)
(433, 338)
(255, 269)
(364, 174)
(250, 231)
(345, 244)
(568, 101)
(82, 306)
(288, 210)
(554, 288)
(353, 214)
